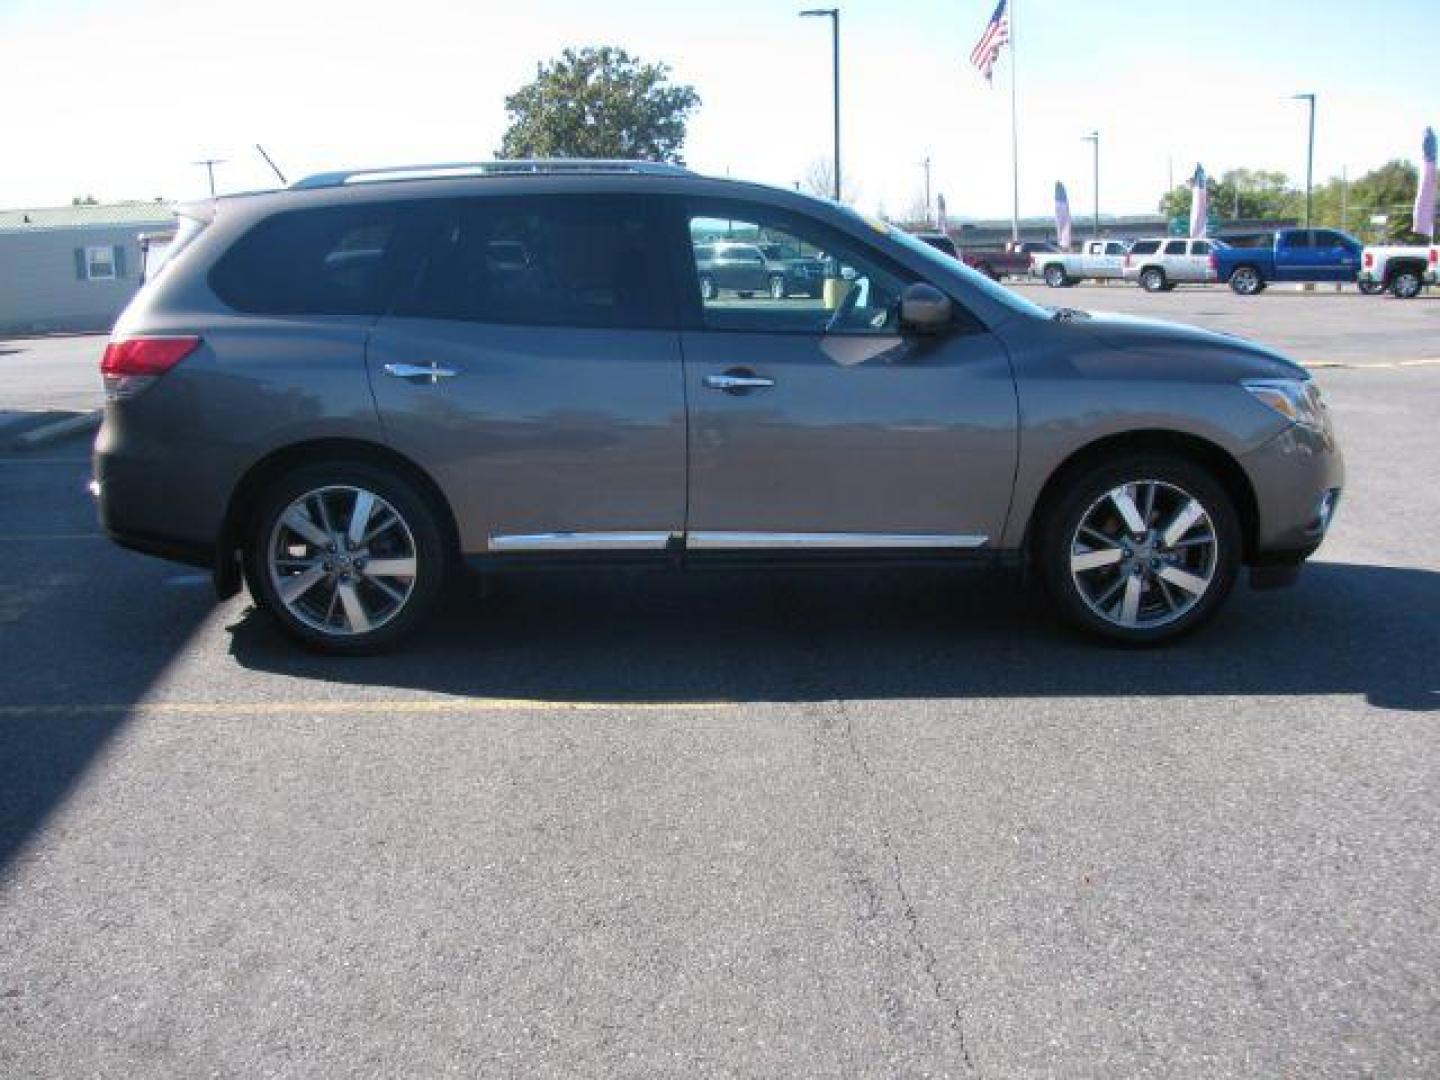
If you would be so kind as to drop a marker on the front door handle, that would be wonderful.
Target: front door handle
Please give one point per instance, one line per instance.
(738, 379)
(431, 373)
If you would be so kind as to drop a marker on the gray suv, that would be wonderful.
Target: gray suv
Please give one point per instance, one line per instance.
(344, 392)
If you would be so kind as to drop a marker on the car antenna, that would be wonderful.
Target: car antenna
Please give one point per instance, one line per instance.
(263, 154)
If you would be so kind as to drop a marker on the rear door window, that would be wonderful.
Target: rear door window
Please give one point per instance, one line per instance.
(332, 260)
(545, 260)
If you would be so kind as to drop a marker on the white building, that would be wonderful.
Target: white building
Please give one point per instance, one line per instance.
(72, 267)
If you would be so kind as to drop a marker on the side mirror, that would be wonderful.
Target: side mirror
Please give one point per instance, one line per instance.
(924, 309)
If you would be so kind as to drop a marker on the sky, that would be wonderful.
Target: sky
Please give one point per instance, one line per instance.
(118, 98)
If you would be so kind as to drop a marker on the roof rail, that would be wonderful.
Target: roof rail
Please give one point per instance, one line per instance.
(519, 166)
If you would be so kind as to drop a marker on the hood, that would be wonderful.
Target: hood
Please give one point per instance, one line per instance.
(1134, 333)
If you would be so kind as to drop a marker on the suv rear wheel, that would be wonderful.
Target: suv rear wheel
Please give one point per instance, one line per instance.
(1152, 279)
(1140, 550)
(346, 556)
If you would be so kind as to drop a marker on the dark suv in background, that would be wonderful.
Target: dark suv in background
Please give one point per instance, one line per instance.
(342, 392)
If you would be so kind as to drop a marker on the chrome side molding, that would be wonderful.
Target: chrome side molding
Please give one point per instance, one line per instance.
(720, 541)
(582, 541)
(733, 541)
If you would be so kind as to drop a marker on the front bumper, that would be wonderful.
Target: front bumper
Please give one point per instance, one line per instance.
(1298, 477)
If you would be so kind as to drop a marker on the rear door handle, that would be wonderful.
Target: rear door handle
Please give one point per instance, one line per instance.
(431, 373)
(738, 381)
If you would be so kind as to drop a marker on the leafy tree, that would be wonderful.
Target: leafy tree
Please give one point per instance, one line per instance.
(84, 200)
(600, 103)
(1257, 193)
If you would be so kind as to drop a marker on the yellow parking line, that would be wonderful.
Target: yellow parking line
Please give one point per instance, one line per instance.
(328, 707)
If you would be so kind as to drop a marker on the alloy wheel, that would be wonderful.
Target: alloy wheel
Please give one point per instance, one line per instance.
(1144, 554)
(342, 560)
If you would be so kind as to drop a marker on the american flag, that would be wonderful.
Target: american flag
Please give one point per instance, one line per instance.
(997, 33)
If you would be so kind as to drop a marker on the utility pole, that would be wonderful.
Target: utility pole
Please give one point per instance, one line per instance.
(926, 166)
(1094, 137)
(210, 164)
(834, 16)
(1309, 155)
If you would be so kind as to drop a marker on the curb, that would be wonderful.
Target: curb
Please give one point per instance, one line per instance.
(59, 429)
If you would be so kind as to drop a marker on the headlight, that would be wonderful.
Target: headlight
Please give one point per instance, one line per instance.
(1298, 400)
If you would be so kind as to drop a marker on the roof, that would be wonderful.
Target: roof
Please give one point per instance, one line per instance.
(82, 217)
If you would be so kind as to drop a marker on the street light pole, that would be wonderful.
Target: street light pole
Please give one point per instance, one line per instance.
(1094, 138)
(210, 164)
(1309, 155)
(834, 15)
(926, 166)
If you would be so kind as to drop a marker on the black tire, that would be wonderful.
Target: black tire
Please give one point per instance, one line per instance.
(1152, 279)
(1057, 535)
(431, 555)
(1405, 284)
(1246, 281)
(777, 286)
(1055, 276)
(707, 287)
(1370, 288)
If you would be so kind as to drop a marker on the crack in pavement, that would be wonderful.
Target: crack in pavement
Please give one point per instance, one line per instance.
(889, 917)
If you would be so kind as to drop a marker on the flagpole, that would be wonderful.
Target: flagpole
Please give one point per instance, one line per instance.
(1014, 138)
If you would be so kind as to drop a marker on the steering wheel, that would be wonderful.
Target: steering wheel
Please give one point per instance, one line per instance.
(852, 297)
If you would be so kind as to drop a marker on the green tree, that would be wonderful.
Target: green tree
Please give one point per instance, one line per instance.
(84, 200)
(1254, 193)
(600, 103)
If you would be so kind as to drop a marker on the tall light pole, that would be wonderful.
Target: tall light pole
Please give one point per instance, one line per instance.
(210, 164)
(834, 16)
(1309, 154)
(1094, 137)
(926, 166)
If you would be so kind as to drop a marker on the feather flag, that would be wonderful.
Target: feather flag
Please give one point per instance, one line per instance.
(1424, 220)
(1062, 216)
(1199, 202)
(997, 33)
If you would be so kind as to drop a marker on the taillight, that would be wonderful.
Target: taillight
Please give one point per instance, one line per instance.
(132, 364)
(1434, 256)
(1369, 260)
(1127, 260)
(1214, 263)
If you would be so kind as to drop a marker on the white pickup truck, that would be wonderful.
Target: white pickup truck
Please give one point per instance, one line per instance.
(1098, 259)
(1402, 270)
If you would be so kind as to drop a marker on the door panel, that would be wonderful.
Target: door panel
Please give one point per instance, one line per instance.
(877, 435)
(541, 430)
(535, 374)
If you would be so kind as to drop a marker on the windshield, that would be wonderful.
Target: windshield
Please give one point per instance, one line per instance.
(975, 280)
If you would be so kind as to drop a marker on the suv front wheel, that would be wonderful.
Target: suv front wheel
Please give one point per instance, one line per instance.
(1141, 550)
(346, 556)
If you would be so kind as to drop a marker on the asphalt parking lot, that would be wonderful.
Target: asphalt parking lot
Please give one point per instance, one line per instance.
(805, 825)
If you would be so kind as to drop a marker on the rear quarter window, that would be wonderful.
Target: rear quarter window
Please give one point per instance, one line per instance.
(333, 260)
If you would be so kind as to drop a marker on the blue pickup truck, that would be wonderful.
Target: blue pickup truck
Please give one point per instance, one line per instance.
(1287, 255)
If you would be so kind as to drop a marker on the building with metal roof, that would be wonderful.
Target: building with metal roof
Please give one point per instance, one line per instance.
(70, 268)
